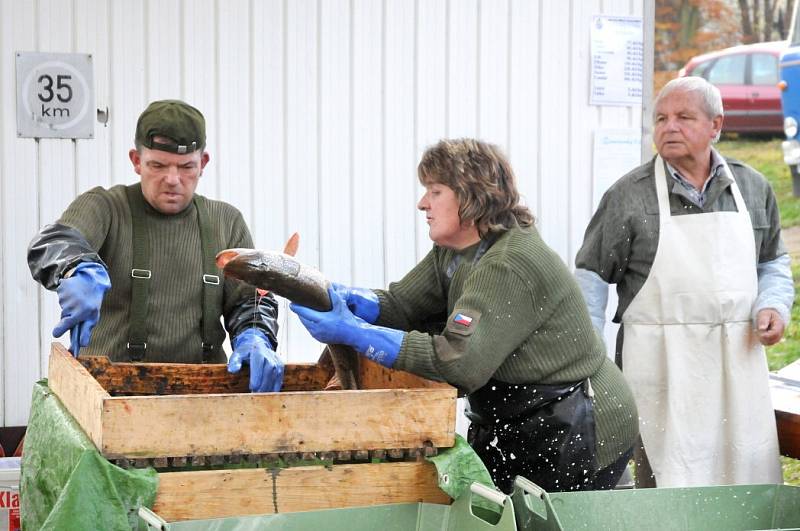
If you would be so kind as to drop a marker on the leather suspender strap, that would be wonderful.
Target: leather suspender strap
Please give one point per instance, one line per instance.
(212, 283)
(140, 274)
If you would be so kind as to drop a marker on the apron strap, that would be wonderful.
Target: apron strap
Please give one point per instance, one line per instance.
(140, 274)
(663, 197)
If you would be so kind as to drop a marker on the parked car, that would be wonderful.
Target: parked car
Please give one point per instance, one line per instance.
(747, 77)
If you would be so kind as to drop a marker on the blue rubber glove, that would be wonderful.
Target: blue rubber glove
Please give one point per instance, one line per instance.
(340, 327)
(266, 368)
(80, 297)
(361, 301)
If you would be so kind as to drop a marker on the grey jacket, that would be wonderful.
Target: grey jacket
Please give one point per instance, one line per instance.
(622, 237)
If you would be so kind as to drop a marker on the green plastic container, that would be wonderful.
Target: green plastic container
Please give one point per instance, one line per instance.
(734, 508)
(463, 515)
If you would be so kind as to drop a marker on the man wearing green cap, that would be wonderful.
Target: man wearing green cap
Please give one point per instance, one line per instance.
(134, 266)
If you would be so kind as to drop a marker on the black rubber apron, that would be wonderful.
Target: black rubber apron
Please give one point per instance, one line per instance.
(545, 433)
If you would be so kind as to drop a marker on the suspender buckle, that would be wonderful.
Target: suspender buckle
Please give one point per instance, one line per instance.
(208, 350)
(211, 279)
(136, 350)
(140, 273)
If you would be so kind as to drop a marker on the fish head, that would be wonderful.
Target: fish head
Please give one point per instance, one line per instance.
(279, 273)
(257, 267)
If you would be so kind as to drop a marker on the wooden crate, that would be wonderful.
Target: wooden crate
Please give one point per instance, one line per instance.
(222, 493)
(136, 411)
(393, 410)
(785, 390)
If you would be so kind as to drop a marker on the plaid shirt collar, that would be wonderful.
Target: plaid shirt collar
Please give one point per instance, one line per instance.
(698, 197)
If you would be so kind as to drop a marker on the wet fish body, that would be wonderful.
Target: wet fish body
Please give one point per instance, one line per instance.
(281, 274)
(285, 276)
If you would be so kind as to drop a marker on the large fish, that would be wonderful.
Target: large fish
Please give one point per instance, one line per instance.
(283, 275)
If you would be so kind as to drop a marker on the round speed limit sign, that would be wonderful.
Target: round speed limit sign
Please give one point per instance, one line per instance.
(55, 95)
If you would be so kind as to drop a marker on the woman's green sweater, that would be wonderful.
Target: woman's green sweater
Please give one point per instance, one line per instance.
(516, 315)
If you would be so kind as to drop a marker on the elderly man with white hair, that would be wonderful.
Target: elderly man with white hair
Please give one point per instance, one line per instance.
(692, 241)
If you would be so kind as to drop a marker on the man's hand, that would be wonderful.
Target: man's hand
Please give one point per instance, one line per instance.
(80, 297)
(266, 368)
(769, 326)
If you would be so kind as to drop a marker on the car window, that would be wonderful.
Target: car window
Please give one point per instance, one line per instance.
(728, 70)
(700, 70)
(764, 69)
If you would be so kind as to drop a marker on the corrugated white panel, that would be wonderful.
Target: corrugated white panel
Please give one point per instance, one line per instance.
(523, 120)
(234, 129)
(431, 79)
(493, 78)
(268, 153)
(56, 158)
(163, 48)
(368, 207)
(336, 215)
(91, 35)
(399, 169)
(462, 69)
(302, 149)
(317, 113)
(584, 119)
(554, 149)
(200, 81)
(20, 180)
(128, 81)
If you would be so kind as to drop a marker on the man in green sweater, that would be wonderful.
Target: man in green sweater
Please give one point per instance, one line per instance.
(495, 312)
(134, 265)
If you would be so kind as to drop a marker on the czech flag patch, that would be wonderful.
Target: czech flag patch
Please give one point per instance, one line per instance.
(462, 319)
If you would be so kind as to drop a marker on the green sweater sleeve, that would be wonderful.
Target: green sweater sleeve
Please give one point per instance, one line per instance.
(410, 302)
(497, 303)
(91, 214)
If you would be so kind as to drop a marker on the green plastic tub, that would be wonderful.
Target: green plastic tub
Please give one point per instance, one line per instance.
(468, 513)
(734, 508)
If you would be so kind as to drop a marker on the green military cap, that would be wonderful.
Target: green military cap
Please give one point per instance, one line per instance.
(177, 120)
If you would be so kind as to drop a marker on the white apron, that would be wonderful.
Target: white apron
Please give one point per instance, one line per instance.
(697, 371)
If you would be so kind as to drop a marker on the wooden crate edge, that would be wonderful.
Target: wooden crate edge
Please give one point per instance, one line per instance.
(141, 427)
(223, 493)
(78, 391)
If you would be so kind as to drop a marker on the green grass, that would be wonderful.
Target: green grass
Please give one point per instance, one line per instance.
(766, 156)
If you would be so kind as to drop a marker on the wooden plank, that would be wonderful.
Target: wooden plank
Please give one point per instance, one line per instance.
(375, 376)
(78, 391)
(785, 394)
(788, 433)
(222, 493)
(277, 422)
(125, 379)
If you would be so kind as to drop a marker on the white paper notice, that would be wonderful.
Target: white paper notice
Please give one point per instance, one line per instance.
(616, 152)
(617, 60)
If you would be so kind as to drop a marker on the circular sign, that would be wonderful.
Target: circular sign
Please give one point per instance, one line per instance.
(55, 95)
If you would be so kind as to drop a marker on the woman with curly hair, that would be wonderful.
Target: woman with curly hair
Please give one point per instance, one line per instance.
(493, 311)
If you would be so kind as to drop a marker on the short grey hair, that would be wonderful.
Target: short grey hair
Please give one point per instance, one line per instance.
(710, 95)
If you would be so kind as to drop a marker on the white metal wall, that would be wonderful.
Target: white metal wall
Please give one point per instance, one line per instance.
(318, 111)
